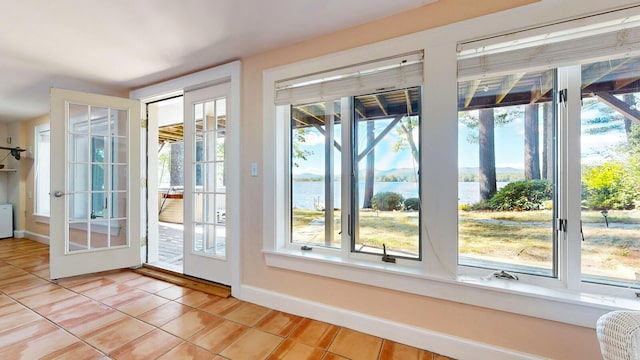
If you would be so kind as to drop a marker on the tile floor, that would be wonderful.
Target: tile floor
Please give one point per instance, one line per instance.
(124, 315)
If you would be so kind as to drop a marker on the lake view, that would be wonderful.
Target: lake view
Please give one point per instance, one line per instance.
(306, 194)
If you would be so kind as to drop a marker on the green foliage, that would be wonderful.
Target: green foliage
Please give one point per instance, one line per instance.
(387, 201)
(521, 195)
(412, 204)
(297, 140)
(608, 186)
(502, 116)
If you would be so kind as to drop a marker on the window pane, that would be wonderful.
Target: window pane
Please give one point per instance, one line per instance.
(42, 171)
(79, 119)
(99, 123)
(387, 159)
(315, 170)
(506, 172)
(209, 197)
(610, 159)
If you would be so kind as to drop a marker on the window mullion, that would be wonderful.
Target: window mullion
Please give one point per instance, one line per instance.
(348, 227)
(329, 148)
(569, 168)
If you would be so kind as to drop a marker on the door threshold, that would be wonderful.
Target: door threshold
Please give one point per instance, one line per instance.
(187, 281)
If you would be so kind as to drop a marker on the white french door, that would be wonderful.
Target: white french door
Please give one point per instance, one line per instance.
(95, 183)
(206, 249)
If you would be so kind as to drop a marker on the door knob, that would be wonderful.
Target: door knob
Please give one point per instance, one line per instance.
(58, 193)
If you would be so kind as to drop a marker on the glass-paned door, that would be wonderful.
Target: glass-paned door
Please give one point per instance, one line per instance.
(94, 220)
(205, 217)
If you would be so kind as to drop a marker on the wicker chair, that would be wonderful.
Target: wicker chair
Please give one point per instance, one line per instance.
(619, 335)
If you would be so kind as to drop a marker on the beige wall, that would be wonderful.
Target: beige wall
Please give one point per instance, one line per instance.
(502, 329)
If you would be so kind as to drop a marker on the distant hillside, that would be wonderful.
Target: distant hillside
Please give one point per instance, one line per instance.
(475, 170)
(503, 174)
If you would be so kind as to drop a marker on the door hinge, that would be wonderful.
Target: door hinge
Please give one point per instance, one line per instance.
(143, 123)
(561, 225)
(143, 183)
(143, 241)
(562, 96)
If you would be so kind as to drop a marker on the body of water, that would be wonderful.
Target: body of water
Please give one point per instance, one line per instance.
(310, 194)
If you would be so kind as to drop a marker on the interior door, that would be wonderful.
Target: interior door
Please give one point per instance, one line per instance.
(95, 183)
(205, 194)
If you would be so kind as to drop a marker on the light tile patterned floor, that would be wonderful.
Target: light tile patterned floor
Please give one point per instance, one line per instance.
(125, 315)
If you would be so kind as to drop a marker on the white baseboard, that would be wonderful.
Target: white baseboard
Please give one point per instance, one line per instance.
(18, 234)
(455, 347)
(36, 237)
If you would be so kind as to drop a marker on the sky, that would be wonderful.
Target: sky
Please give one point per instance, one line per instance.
(386, 157)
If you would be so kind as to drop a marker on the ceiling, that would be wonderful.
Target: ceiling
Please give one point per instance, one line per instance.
(113, 46)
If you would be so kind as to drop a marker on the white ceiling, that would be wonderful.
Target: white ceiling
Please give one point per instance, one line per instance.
(112, 46)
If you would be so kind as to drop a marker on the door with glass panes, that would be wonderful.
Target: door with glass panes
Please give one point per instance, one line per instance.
(206, 250)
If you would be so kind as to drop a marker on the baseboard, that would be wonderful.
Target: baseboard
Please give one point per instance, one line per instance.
(18, 234)
(455, 347)
(36, 237)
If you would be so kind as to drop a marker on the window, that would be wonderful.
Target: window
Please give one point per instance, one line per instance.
(354, 154)
(532, 95)
(42, 170)
(548, 137)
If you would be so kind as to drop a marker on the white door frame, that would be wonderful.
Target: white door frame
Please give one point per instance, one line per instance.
(227, 73)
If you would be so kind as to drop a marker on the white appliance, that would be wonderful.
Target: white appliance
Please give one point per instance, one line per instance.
(6, 221)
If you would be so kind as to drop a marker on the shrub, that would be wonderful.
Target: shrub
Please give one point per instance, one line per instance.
(605, 187)
(386, 201)
(522, 195)
(412, 204)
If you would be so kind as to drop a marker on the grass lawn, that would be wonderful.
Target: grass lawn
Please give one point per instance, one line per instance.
(513, 237)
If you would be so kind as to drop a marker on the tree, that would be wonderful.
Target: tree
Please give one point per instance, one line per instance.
(531, 143)
(487, 154)
(298, 137)
(177, 164)
(547, 140)
(369, 173)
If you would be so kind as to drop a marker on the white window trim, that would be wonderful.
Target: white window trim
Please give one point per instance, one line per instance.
(438, 276)
(40, 217)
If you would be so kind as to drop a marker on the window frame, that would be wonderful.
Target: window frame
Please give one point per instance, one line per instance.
(565, 299)
(38, 173)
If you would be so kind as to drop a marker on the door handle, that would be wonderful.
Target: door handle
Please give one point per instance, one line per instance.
(58, 193)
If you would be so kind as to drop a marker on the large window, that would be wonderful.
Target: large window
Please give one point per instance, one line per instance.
(354, 154)
(506, 163)
(548, 157)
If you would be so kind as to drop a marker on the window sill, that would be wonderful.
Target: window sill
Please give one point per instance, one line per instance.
(41, 218)
(576, 308)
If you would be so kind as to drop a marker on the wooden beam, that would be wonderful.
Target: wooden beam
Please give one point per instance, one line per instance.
(597, 71)
(543, 87)
(379, 137)
(381, 103)
(321, 130)
(360, 109)
(408, 100)
(471, 91)
(303, 110)
(620, 83)
(620, 106)
(507, 85)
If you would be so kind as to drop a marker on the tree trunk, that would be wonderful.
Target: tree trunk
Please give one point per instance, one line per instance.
(369, 174)
(487, 153)
(630, 100)
(547, 141)
(177, 164)
(531, 143)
